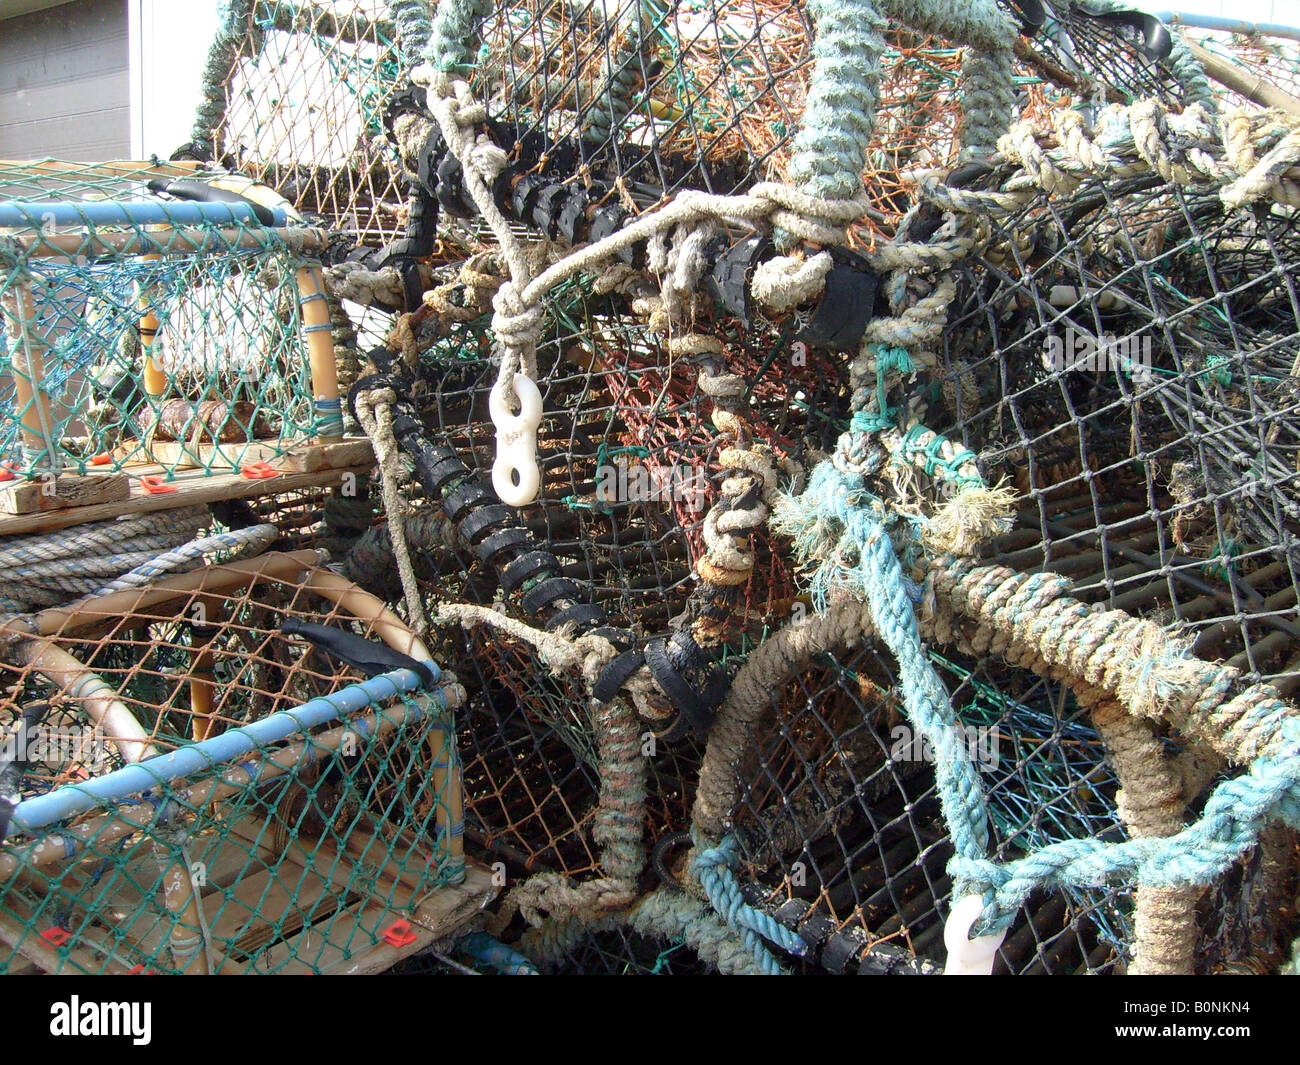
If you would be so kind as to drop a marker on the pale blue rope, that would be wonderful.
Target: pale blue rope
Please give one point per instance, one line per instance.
(715, 870)
(453, 42)
(1229, 825)
(830, 149)
(878, 577)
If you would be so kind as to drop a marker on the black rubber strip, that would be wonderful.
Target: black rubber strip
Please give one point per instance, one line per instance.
(615, 675)
(542, 595)
(660, 852)
(584, 615)
(459, 501)
(500, 542)
(675, 686)
(478, 523)
(445, 472)
(623, 639)
(525, 567)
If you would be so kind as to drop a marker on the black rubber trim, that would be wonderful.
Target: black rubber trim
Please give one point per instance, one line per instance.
(201, 192)
(445, 472)
(623, 639)
(500, 542)
(525, 567)
(585, 615)
(615, 675)
(480, 522)
(659, 853)
(675, 686)
(542, 595)
(459, 501)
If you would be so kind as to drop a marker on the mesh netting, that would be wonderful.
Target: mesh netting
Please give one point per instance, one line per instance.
(1169, 484)
(297, 102)
(778, 663)
(151, 334)
(840, 820)
(153, 833)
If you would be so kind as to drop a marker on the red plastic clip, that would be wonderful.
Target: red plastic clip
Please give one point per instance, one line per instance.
(155, 486)
(7, 472)
(140, 970)
(56, 936)
(258, 471)
(102, 459)
(398, 934)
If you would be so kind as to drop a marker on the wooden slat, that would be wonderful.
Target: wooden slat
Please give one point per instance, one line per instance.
(190, 492)
(64, 491)
(304, 458)
(436, 916)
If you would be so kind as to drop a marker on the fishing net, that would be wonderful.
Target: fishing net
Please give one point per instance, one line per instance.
(911, 518)
(154, 833)
(294, 97)
(151, 335)
(797, 779)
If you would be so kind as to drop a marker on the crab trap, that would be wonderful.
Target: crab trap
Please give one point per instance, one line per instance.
(848, 450)
(156, 321)
(251, 768)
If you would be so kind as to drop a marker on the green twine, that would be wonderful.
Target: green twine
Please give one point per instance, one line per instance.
(1227, 550)
(1219, 369)
(888, 360)
(933, 458)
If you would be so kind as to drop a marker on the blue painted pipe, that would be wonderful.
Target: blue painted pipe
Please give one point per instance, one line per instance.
(72, 799)
(491, 952)
(1228, 25)
(19, 215)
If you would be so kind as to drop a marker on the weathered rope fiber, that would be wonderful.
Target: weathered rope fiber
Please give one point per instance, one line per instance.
(664, 913)
(51, 568)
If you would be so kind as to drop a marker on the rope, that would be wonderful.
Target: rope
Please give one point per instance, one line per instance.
(50, 568)
(620, 812)
(219, 68)
(664, 913)
(241, 542)
(1150, 803)
(375, 413)
(830, 150)
(714, 867)
(836, 519)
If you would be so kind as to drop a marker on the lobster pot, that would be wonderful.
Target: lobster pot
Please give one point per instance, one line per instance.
(205, 794)
(1125, 356)
(841, 834)
(151, 336)
(301, 108)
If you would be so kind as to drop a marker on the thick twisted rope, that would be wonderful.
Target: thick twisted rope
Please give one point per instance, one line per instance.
(219, 67)
(49, 569)
(620, 812)
(375, 413)
(664, 913)
(835, 517)
(714, 868)
(1150, 803)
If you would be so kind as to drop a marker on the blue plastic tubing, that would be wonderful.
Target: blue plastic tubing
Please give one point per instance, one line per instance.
(19, 215)
(72, 799)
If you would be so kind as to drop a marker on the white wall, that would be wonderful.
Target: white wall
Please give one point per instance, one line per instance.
(63, 82)
(1282, 12)
(169, 43)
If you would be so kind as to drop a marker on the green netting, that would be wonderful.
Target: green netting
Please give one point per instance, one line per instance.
(149, 346)
(321, 847)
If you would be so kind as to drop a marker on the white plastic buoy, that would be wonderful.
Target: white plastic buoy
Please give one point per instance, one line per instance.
(515, 475)
(967, 956)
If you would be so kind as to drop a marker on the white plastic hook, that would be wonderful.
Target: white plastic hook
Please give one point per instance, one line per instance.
(967, 956)
(514, 473)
